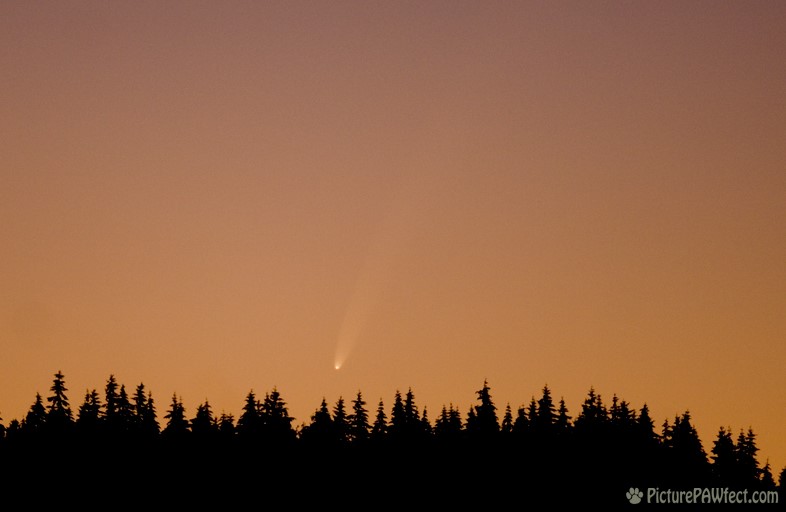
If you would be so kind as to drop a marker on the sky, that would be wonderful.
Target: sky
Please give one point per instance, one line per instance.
(214, 197)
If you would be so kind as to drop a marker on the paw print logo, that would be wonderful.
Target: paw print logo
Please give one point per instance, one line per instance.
(634, 495)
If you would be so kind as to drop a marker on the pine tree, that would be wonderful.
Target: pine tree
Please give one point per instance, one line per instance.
(484, 424)
(507, 421)
(688, 457)
(645, 428)
(59, 417)
(411, 414)
(276, 419)
(397, 417)
(249, 424)
(724, 458)
(125, 412)
(380, 428)
(767, 481)
(203, 425)
(358, 420)
(521, 424)
(781, 477)
(563, 420)
(177, 424)
(320, 431)
(747, 461)
(448, 425)
(546, 416)
(340, 423)
(143, 412)
(110, 401)
(226, 425)
(36, 417)
(425, 424)
(89, 417)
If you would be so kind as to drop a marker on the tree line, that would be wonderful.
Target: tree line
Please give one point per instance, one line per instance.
(605, 441)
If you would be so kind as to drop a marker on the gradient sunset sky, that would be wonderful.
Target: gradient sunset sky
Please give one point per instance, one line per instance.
(211, 197)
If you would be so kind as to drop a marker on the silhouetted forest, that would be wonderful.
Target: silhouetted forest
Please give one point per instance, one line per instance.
(591, 456)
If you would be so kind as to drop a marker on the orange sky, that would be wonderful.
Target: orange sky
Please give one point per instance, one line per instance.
(208, 196)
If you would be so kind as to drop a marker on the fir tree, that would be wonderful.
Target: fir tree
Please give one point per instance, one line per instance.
(397, 417)
(89, 417)
(203, 425)
(110, 401)
(320, 431)
(380, 428)
(767, 481)
(358, 420)
(484, 423)
(249, 424)
(177, 424)
(59, 417)
(747, 462)
(340, 422)
(507, 421)
(226, 425)
(563, 420)
(36, 417)
(276, 418)
(546, 416)
(724, 458)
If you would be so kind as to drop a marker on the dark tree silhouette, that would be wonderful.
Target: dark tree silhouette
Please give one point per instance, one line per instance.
(602, 451)
(484, 423)
(276, 421)
(320, 431)
(380, 428)
(397, 427)
(767, 481)
(747, 461)
(35, 420)
(562, 423)
(448, 427)
(88, 421)
(59, 416)
(144, 420)
(177, 424)
(110, 402)
(506, 428)
(521, 423)
(340, 422)
(358, 421)
(226, 425)
(249, 425)
(547, 415)
(724, 458)
(685, 451)
(203, 425)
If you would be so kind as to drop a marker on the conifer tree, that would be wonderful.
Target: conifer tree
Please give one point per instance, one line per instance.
(724, 458)
(358, 420)
(249, 424)
(203, 425)
(59, 416)
(36, 417)
(507, 421)
(747, 462)
(276, 418)
(380, 428)
(89, 417)
(340, 422)
(563, 419)
(177, 424)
